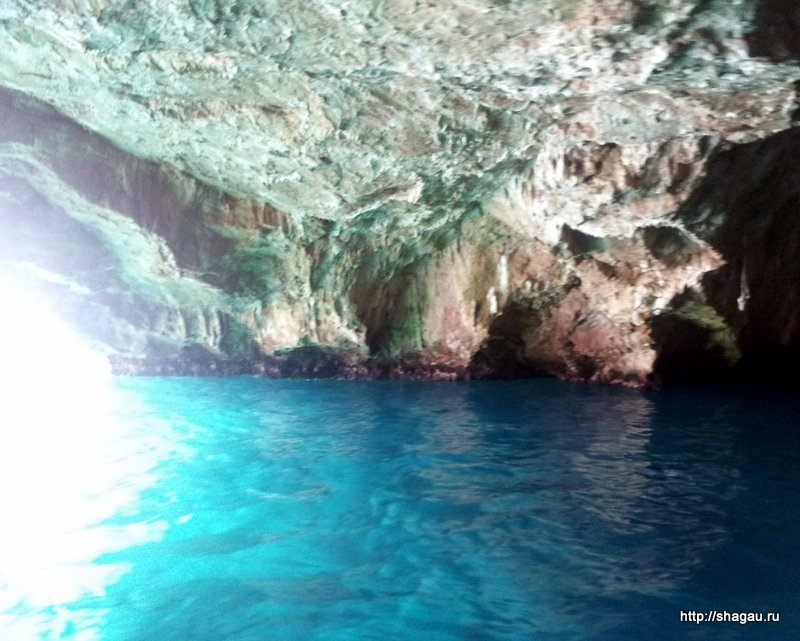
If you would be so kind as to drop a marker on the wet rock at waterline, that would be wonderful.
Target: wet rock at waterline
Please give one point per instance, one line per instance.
(601, 191)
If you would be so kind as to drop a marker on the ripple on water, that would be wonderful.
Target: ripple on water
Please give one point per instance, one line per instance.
(394, 510)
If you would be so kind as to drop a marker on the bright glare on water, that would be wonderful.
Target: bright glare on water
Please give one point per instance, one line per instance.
(245, 509)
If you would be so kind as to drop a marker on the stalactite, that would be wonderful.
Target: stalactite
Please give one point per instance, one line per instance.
(491, 296)
(744, 290)
(502, 274)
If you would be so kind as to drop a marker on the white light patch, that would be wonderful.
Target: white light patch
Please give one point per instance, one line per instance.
(66, 464)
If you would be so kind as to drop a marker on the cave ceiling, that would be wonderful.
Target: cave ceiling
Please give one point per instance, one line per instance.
(329, 109)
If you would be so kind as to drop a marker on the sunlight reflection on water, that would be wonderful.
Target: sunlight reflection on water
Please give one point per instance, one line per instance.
(246, 509)
(69, 459)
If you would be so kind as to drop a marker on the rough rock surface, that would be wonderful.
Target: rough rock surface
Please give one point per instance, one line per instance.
(604, 191)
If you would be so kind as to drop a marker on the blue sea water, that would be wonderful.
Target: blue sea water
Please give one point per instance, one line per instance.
(244, 509)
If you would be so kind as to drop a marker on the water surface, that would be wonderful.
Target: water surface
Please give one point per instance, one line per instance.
(245, 509)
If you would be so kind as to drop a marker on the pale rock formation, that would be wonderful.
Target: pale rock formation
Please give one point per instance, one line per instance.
(600, 190)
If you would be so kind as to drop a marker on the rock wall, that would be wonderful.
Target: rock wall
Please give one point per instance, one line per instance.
(601, 191)
(747, 206)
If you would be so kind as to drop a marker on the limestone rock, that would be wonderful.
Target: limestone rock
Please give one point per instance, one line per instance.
(485, 187)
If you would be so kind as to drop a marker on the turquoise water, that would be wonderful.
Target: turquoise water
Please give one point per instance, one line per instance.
(245, 509)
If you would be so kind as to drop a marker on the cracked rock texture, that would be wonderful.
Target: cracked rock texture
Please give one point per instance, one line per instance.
(604, 191)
